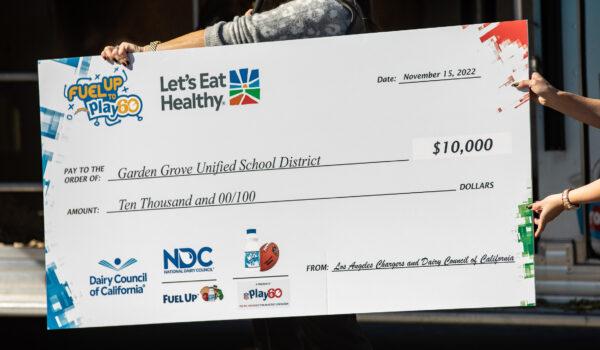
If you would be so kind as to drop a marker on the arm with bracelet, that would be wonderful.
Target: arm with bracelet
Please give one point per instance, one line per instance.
(583, 109)
(290, 20)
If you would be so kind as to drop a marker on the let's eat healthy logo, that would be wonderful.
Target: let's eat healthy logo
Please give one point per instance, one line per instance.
(208, 90)
(104, 99)
(244, 86)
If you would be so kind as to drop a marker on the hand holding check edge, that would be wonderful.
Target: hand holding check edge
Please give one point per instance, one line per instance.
(583, 109)
(120, 53)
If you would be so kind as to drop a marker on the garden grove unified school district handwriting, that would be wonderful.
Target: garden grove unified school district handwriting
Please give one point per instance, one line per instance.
(218, 167)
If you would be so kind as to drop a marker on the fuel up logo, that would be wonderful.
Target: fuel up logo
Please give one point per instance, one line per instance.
(103, 99)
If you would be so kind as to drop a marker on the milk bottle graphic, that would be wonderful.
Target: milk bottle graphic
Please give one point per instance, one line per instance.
(251, 250)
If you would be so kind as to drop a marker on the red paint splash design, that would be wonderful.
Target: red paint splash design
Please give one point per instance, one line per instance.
(514, 31)
(508, 81)
(510, 42)
(522, 100)
(483, 25)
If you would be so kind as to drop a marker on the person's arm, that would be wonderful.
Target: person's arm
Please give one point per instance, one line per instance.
(190, 40)
(292, 20)
(119, 53)
(585, 194)
(550, 207)
(584, 109)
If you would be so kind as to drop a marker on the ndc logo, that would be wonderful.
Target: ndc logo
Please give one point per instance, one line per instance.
(244, 86)
(116, 265)
(183, 260)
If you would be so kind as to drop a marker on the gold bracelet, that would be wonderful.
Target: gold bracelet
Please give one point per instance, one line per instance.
(152, 46)
(566, 202)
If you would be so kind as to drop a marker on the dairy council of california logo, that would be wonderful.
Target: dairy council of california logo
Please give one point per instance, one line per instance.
(119, 282)
(244, 86)
(103, 98)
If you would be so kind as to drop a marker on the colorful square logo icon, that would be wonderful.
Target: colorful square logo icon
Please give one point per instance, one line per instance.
(244, 86)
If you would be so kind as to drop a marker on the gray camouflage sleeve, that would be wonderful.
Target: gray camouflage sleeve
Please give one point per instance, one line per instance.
(293, 20)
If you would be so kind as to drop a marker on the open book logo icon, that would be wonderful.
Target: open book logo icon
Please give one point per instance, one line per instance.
(116, 265)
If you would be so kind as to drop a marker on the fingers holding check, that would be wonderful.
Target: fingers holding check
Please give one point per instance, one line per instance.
(120, 53)
(540, 89)
(547, 209)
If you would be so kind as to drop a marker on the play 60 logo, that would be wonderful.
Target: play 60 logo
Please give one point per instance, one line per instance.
(266, 292)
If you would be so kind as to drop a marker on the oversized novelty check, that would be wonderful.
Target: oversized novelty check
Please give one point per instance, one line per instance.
(368, 173)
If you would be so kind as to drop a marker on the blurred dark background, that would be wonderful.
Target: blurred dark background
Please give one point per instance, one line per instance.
(28, 332)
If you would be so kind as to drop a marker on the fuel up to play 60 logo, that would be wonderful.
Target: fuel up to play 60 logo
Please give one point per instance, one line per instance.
(104, 98)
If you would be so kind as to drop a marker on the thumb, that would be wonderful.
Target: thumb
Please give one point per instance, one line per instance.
(541, 227)
(523, 84)
(536, 207)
